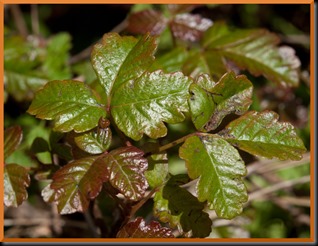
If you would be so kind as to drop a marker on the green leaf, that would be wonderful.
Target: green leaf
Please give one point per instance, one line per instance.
(75, 184)
(55, 65)
(139, 229)
(158, 170)
(181, 201)
(120, 59)
(40, 145)
(261, 134)
(125, 169)
(144, 21)
(255, 50)
(220, 169)
(58, 147)
(16, 179)
(12, 139)
(95, 141)
(140, 106)
(189, 27)
(70, 103)
(210, 102)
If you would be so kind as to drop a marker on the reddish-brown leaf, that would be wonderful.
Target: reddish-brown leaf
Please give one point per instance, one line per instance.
(139, 229)
(146, 21)
(12, 138)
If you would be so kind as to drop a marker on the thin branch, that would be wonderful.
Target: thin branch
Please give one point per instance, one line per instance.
(35, 19)
(84, 54)
(19, 20)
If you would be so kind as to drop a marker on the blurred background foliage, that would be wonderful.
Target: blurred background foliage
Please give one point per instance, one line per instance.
(46, 42)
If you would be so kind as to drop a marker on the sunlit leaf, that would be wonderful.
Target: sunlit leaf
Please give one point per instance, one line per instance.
(255, 50)
(189, 27)
(119, 59)
(139, 229)
(12, 139)
(76, 184)
(142, 105)
(262, 134)
(70, 103)
(95, 141)
(210, 102)
(125, 167)
(220, 169)
(144, 21)
(181, 201)
(16, 179)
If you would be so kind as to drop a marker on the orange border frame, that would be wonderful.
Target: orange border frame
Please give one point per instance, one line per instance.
(238, 240)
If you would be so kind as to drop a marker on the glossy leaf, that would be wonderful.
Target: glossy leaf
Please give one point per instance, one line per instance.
(210, 102)
(12, 139)
(125, 167)
(158, 170)
(220, 169)
(70, 103)
(76, 184)
(189, 27)
(255, 50)
(144, 21)
(139, 229)
(181, 201)
(16, 179)
(262, 134)
(119, 59)
(95, 141)
(142, 105)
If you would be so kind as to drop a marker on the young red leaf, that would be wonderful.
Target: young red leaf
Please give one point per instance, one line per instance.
(139, 229)
(140, 106)
(189, 27)
(70, 103)
(16, 179)
(261, 134)
(210, 102)
(75, 184)
(220, 169)
(125, 169)
(148, 20)
(12, 139)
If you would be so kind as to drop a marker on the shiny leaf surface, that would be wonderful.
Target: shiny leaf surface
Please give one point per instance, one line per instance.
(139, 229)
(16, 179)
(70, 103)
(12, 139)
(255, 50)
(125, 167)
(119, 59)
(140, 106)
(75, 184)
(220, 169)
(210, 102)
(262, 134)
(181, 201)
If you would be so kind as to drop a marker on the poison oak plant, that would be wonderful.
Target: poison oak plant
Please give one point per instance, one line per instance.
(106, 135)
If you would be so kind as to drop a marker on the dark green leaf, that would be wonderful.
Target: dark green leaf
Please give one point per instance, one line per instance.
(120, 59)
(16, 179)
(139, 229)
(144, 21)
(75, 184)
(140, 106)
(181, 201)
(261, 134)
(70, 103)
(95, 141)
(220, 169)
(255, 50)
(40, 145)
(125, 169)
(210, 102)
(12, 139)
(189, 27)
